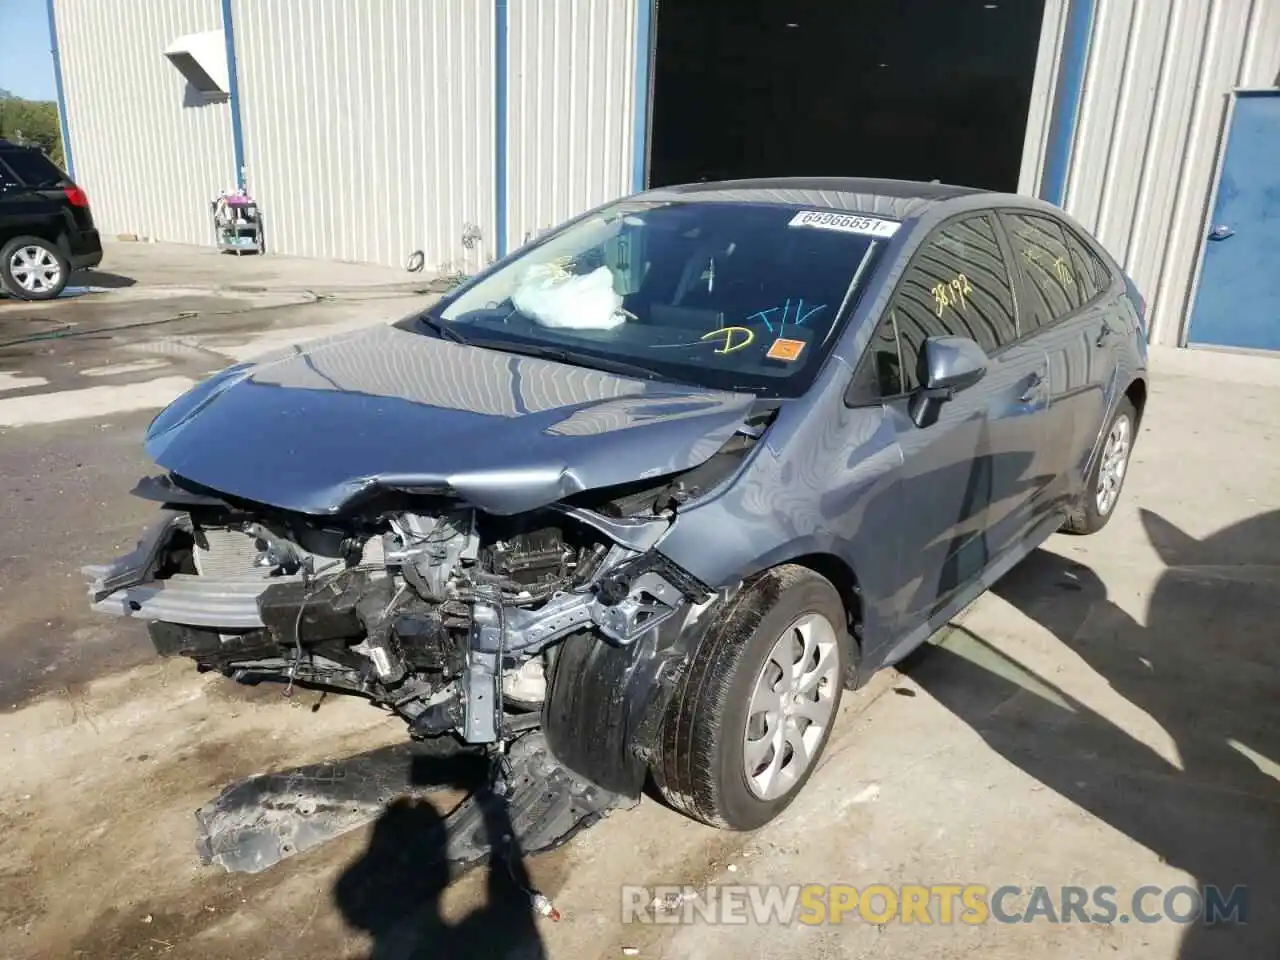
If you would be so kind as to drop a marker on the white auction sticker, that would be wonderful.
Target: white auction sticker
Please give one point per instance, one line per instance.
(846, 222)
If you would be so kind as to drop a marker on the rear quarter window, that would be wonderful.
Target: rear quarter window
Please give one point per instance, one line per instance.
(1093, 275)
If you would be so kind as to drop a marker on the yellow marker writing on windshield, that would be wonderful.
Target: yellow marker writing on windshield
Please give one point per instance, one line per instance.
(735, 338)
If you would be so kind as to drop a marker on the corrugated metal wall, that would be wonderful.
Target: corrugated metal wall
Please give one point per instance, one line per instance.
(1044, 87)
(368, 127)
(1150, 128)
(151, 153)
(571, 109)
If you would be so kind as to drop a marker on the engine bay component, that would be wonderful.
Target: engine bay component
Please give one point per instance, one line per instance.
(526, 685)
(438, 613)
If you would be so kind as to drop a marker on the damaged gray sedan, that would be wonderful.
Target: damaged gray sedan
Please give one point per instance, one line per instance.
(660, 485)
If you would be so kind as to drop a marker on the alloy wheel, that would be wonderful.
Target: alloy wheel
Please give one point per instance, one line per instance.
(1115, 462)
(792, 706)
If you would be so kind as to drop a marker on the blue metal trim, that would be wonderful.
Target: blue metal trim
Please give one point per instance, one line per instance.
(237, 131)
(63, 129)
(1066, 101)
(501, 13)
(644, 95)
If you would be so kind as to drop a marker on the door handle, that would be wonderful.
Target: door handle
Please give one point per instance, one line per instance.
(1033, 389)
(1221, 232)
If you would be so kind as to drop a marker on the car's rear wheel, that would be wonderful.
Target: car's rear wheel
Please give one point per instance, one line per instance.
(751, 716)
(1097, 502)
(33, 269)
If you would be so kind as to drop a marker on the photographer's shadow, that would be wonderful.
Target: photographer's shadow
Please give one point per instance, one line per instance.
(393, 891)
(1201, 673)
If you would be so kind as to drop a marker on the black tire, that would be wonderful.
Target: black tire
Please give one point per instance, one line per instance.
(47, 250)
(1086, 517)
(700, 769)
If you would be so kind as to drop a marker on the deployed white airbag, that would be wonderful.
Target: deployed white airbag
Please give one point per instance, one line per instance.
(553, 297)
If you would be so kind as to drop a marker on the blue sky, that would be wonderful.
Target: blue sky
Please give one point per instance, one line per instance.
(26, 66)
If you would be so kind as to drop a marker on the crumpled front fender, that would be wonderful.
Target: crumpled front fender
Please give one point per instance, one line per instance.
(605, 703)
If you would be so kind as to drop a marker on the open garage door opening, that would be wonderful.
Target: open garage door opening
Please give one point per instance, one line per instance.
(907, 89)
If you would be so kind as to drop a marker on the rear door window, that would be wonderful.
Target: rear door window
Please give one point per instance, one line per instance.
(957, 285)
(1051, 275)
(32, 168)
(8, 182)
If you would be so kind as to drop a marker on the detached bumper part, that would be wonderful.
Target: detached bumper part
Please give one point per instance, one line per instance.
(534, 804)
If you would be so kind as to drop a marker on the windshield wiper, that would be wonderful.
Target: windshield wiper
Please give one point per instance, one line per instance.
(443, 329)
(573, 358)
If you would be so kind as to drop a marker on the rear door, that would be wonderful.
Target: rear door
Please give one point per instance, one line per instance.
(1064, 306)
(970, 481)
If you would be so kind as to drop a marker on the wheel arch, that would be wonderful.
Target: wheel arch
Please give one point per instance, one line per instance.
(1136, 392)
(43, 229)
(841, 575)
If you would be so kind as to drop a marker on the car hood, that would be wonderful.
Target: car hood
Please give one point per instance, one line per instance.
(316, 427)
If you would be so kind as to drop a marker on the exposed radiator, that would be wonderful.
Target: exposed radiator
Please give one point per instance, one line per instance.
(233, 555)
(228, 555)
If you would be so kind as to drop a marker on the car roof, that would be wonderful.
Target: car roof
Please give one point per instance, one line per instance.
(901, 199)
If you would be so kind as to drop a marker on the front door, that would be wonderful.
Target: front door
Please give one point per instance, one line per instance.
(969, 482)
(1237, 303)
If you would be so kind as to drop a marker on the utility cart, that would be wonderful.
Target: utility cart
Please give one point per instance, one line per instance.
(237, 223)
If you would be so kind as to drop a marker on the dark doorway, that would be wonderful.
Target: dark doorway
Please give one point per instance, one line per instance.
(909, 89)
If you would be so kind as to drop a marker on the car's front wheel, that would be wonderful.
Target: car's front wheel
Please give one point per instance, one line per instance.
(32, 268)
(750, 718)
(1098, 501)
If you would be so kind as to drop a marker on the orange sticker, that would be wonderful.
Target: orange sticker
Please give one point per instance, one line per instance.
(784, 349)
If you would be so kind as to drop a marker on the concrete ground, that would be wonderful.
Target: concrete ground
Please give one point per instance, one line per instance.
(1108, 715)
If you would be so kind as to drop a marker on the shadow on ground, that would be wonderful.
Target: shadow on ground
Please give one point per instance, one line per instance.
(393, 890)
(103, 279)
(83, 282)
(1205, 666)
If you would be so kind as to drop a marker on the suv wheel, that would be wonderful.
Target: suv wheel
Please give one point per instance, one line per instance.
(1102, 491)
(33, 269)
(751, 716)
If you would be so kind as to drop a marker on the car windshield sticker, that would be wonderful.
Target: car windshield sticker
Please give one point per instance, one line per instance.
(784, 349)
(846, 223)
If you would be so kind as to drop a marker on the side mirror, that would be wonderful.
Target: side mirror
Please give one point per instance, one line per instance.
(947, 365)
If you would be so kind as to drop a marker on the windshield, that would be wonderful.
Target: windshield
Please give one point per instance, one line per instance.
(722, 295)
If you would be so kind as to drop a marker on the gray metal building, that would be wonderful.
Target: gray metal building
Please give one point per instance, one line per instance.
(371, 129)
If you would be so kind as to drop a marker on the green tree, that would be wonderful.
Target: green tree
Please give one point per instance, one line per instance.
(33, 122)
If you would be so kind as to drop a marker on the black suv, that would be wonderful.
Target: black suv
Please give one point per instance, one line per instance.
(46, 229)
